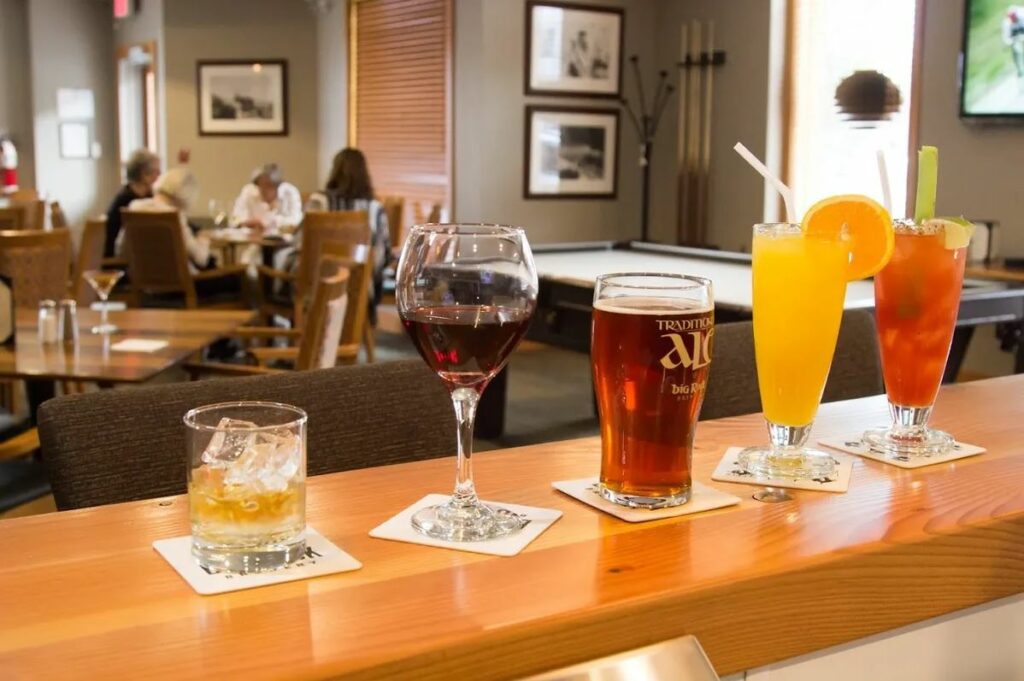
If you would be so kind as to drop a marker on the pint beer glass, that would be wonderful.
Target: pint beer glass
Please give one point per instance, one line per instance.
(650, 351)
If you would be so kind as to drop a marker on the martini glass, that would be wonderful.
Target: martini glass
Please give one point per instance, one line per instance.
(103, 282)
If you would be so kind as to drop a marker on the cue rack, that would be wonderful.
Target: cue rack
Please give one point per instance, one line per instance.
(697, 61)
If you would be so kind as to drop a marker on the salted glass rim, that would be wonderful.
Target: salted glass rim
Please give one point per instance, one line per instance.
(777, 228)
(191, 415)
(695, 282)
(453, 228)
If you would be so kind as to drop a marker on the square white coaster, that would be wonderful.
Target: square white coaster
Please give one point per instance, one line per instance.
(322, 558)
(855, 445)
(399, 528)
(702, 498)
(728, 470)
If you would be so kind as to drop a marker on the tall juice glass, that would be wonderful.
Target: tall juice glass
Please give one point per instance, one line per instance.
(917, 296)
(799, 289)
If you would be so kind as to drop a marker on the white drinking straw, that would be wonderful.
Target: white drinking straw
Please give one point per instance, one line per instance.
(883, 176)
(755, 163)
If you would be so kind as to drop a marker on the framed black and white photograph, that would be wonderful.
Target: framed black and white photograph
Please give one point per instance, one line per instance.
(247, 97)
(573, 50)
(571, 153)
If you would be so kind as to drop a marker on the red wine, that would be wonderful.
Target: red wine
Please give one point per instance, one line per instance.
(466, 344)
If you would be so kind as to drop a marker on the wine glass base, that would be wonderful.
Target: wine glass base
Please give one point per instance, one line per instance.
(105, 329)
(897, 443)
(794, 463)
(645, 502)
(467, 522)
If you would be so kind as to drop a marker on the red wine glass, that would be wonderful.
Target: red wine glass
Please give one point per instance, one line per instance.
(465, 294)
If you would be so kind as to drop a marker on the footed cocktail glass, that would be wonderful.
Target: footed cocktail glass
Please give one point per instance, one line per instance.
(917, 296)
(799, 286)
(103, 282)
(247, 485)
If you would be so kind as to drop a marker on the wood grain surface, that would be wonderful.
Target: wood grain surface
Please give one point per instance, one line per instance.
(996, 271)
(186, 332)
(83, 594)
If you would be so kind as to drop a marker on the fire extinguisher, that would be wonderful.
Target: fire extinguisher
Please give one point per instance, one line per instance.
(8, 166)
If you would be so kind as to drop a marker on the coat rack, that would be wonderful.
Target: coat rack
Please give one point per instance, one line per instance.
(645, 122)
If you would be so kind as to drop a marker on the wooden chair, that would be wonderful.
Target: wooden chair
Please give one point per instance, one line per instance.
(25, 195)
(358, 260)
(158, 263)
(90, 257)
(38, 264)
(318, 342)
(394, 208)
(433, 215)
(351, 227)
(57, 217)
(321, 342)
(12, 217)
(34, 213)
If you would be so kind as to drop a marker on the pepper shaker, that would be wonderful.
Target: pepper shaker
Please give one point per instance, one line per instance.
(69, 320)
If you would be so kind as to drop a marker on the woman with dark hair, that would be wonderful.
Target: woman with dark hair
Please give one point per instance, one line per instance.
(349, 187)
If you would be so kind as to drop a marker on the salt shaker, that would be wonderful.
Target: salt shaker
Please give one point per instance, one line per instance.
(69, 320)
(48, 321)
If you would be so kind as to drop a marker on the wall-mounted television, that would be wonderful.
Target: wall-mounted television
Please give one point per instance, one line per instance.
(992, 61)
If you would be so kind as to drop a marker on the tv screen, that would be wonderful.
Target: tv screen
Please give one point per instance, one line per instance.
(992, 81)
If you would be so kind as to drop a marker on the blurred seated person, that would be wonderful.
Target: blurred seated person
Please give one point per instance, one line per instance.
(349, 187)
(268, 203)
(176, 190)
(141, 171)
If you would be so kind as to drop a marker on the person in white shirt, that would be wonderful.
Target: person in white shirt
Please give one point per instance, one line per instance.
(176, 190)
(268, 203)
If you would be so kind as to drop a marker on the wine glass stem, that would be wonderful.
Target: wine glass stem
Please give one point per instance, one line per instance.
(103, 311)
(465, 401)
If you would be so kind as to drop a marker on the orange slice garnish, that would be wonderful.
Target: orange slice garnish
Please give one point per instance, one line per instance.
(864, 221)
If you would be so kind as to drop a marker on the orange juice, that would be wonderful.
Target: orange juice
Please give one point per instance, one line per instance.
(799, 289)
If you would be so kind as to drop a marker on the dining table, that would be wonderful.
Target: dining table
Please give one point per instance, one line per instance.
(170, 337)
(903, 554)
(232, 241)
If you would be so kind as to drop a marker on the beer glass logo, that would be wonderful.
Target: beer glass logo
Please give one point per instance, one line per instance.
(691, 342)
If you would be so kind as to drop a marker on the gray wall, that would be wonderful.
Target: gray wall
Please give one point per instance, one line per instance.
(489, 127)
(220, 29)
(16, 102)
(332, 42)
(979, 166)
(71, 45)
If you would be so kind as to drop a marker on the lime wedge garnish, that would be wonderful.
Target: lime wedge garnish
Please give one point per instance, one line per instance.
(957, 231)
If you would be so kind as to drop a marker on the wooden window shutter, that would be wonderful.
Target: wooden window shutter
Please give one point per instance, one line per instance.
(400, 61)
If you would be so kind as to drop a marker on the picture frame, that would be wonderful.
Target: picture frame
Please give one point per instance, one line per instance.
(242, 97)
(571, 153)
(75, 138)
(573, 50)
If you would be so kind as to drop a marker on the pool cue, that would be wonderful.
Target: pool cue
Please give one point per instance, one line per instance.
(693, 135)
(704, 196)
(682, 130)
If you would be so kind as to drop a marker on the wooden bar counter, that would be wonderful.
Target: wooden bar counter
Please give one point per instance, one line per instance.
(83, 594)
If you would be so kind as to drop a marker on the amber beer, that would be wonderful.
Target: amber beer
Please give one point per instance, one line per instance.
(651, 357)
